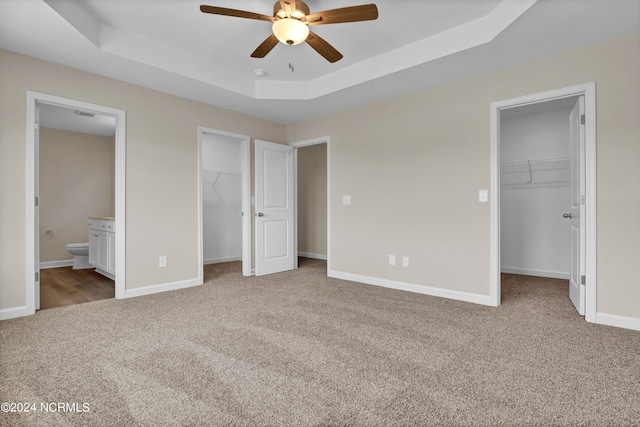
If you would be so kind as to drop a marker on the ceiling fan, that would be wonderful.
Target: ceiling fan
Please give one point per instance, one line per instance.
(291, 20)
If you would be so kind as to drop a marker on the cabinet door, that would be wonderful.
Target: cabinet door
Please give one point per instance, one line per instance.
(111, 237)
(94, 248)
(103, 261)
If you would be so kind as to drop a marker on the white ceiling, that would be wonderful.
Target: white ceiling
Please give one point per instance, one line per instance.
(56, 117)
(539, 107)
(169, 45)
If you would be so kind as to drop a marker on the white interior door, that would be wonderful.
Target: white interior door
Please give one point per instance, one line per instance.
(36, 185)
(275, 208)
(577, 289)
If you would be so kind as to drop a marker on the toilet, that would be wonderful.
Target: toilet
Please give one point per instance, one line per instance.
(80, 252)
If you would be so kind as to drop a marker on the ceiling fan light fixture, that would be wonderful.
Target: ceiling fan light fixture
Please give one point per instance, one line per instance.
(290, 31)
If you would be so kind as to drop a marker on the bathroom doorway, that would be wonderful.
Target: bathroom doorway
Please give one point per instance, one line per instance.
(76, 182)
(51, 117)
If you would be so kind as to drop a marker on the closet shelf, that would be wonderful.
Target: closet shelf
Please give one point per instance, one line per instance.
(220, 171)
(539, 172)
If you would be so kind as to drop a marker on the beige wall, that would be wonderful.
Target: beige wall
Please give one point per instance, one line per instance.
(161, 168)
(413, 166)
(312, 199)
(76, 181)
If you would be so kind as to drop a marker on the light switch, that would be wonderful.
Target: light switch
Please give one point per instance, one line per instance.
(483, 196)
(346, 200)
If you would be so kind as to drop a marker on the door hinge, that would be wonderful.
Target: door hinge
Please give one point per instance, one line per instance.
(583, 280)
(582, 119)
(37, 126)
(37, 201)
(37, 276)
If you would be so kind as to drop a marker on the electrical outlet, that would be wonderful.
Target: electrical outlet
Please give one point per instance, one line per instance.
(162, 261)
(392, 260)
(405, 261)
(346, 200)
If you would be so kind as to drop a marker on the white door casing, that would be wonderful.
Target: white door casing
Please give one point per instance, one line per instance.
(274, 207)
(577, 213)
(36, 202)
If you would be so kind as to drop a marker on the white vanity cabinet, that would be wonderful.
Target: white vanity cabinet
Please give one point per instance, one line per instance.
(102, 246)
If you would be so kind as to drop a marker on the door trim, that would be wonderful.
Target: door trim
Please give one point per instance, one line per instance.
(588, 90)
(245, 170)
(307, 143)
(32, 231)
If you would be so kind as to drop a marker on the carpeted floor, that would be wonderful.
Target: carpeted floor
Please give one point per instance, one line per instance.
(299, 349)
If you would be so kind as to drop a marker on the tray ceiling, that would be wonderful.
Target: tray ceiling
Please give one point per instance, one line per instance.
(169, 45)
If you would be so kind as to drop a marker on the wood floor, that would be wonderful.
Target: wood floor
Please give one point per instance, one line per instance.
(65, 286)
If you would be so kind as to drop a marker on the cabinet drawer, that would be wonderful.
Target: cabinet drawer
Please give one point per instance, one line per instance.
(102, 225)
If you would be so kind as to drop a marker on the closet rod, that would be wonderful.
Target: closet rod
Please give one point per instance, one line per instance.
(221, 171)
(528, 162)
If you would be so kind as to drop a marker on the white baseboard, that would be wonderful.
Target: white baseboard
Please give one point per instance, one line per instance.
(163, 287)
(312, 255)
(618, 321)
(56, 264)
(11, 313)
(420, 289)
(219, 260)
(537, 273)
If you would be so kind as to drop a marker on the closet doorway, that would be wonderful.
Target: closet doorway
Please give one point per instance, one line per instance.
(543, 181)
(535, 194)
(225, 199)
(535, 189)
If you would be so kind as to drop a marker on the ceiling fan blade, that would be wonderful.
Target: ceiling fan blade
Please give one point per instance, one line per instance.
(265, 47)
(367, 12)
(323, 48)
(234, 12)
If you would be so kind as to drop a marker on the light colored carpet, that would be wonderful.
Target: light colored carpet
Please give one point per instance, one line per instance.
(299, 349)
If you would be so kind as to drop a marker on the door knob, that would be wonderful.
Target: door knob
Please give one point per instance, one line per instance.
(566, 215)
(260, 214)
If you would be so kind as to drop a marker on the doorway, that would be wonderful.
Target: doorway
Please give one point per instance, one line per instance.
(555, 169)
(225, 199)
(312, 168)
(76, 182)
(535, 189)
(36, 101)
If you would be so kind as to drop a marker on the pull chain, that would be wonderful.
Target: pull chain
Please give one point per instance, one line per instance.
(290, 64)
